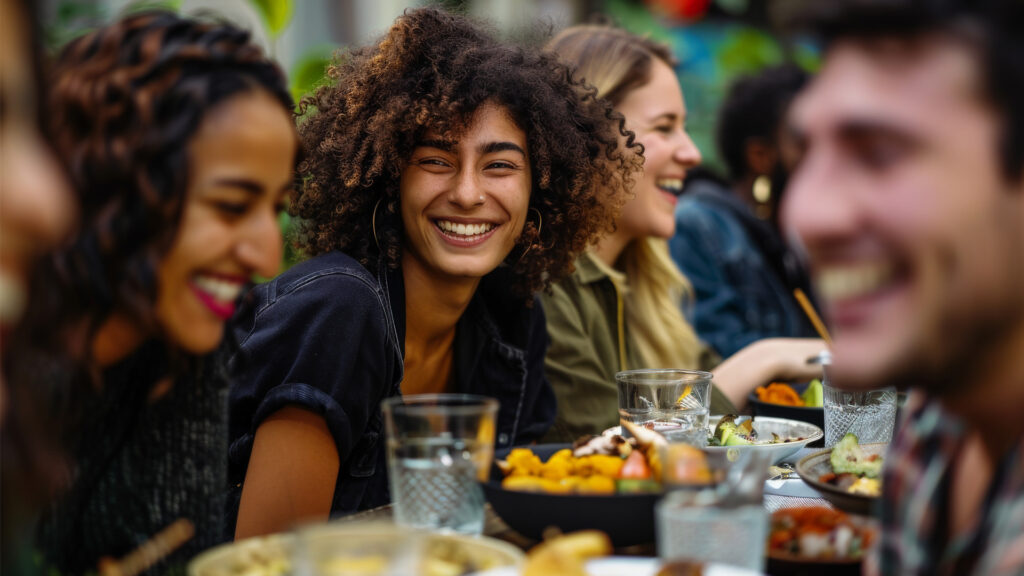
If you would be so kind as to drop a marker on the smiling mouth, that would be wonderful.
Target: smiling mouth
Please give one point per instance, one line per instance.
(849, 282)
(217, 293)
(462, 231)
(673, 186)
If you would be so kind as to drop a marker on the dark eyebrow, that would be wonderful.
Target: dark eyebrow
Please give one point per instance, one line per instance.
(240, 183)
(492, 147)
(446, 145)
(858, 130)
(249, 186)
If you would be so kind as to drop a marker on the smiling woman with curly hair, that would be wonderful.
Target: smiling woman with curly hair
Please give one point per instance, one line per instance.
(449, 177)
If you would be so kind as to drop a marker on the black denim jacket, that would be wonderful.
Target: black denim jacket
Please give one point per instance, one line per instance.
(329, 337)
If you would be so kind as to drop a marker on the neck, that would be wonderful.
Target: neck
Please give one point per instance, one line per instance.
(993, 401)
(116, 339)
(611, 246)
(433, 305)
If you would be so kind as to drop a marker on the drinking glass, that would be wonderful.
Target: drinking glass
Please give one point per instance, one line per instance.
(439, 446)
(672, 402)
(870, 414)
(721, 521)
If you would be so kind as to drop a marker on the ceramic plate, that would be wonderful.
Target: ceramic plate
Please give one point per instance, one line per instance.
(812, 467)
(631, 566)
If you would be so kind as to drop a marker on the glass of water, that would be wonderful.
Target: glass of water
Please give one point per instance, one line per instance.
(672, 402)
(870, 414)
(723, 520)
(439, 447)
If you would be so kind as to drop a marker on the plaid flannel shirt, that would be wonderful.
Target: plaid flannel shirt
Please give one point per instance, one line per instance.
(915, 512)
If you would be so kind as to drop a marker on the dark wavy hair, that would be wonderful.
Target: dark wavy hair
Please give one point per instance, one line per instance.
(754, 108)
(125, 101)
(433, 70)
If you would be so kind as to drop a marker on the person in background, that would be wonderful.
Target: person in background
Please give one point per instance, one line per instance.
(909, 200)
(620, 309)
(727, 241)
(450, 177)
(36, 212)
(181, 149)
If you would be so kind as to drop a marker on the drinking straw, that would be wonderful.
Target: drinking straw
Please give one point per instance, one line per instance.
(812, 315)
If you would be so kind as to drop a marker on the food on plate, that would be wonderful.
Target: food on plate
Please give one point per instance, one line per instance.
(566, 555)
(817, 532)
(784, 394)
(681, 568)
(729, 433)
(687, 466)
(271, 556)
(853, 470)
(595, 465)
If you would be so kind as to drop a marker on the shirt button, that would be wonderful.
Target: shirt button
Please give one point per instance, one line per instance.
(502, 439)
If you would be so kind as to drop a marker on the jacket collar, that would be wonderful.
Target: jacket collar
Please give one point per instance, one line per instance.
(589, 269)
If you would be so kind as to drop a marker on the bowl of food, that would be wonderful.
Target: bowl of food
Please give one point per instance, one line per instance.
(780, 438)
(814, 540)
(357, 548)
(801, 401)
(549, 486)
(848, 475)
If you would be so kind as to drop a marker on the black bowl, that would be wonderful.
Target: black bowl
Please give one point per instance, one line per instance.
(627, 519)
(807, 414)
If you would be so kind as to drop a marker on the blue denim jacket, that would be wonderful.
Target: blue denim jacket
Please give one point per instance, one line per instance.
(743, 283)
(329, 336)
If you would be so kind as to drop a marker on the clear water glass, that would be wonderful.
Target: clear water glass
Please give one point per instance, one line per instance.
(672, 402)
(724, 521)
(440, 447)
(870, 414)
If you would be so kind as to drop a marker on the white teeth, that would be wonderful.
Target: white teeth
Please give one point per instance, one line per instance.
(841, 283)
(672, 185)
(460, 229)
(221, 290)
(12, 298)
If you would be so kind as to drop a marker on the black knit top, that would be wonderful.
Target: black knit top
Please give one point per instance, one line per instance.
(140, 464)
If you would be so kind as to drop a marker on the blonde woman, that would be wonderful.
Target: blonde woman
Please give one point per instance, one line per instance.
(620, 309)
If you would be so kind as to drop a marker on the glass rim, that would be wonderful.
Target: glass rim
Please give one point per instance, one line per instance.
(652, 374)
(452, 404)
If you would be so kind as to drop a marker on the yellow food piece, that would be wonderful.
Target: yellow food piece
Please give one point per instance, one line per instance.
(866, 486)
(565, 555)
(524, 462)
(563, 473)
(597, 485)
(599, 464)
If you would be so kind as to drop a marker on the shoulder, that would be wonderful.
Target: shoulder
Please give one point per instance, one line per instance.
(333, 279)
(327, 288)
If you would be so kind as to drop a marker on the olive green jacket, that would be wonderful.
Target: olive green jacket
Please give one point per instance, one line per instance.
(590, 343)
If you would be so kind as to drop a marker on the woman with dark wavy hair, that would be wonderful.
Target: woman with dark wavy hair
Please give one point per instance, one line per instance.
(449, 177)
(181, 148)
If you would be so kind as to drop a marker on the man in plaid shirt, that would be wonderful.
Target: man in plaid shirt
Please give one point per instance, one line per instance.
(909, 200)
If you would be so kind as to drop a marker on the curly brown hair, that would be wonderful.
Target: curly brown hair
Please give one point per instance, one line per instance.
(433, 70)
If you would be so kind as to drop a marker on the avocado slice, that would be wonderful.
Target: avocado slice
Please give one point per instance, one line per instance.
(849, 458)
(813, 396)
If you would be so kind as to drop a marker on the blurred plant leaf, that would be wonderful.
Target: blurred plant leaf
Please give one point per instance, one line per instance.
(310, 70)
(142, 5)
(71, 20)
(276, 14)
(748, 51)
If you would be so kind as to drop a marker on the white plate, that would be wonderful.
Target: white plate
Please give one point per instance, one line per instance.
(630, 566)
(764, 426)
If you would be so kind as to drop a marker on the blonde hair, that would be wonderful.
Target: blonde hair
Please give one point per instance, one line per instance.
(616, 62)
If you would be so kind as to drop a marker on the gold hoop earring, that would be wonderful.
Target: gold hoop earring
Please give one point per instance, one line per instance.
(373, 223)
(540, 224)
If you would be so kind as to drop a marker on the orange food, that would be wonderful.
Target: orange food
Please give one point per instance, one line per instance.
(817, 532)
(779, 393)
